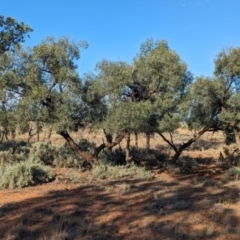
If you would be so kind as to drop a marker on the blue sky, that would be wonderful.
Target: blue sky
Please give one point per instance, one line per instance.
(196, 29)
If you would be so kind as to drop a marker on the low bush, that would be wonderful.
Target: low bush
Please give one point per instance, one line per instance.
(234, 172)
(23, 174)
(130, 171)
(12, 152)
(62, 156)
(45, 152)
(186, 164)
(116, 157)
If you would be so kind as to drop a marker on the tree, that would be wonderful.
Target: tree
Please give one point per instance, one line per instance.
(227, 69)
(144, 96)
(199, 110)
(53, 92)
(12, 33)
(212, 104)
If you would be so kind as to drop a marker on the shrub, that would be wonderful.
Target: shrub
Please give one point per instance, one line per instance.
(186, 164)
(45, 152)
(62, 156)
(117, 172)
(23, 174)
(85, 145)
(66, 157)
(11, 152)
(116, 157)
(234, 172)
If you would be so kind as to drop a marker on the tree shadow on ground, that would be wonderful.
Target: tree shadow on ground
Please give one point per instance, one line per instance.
(194, 206)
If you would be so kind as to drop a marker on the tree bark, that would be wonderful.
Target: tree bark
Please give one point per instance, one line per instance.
(49, 133)
(88, 157)
(110, 144)
(237, 138)
(38, 131)
(128, 139)
(136, 140)
(148, 137)
(178, 150)
(1, 137)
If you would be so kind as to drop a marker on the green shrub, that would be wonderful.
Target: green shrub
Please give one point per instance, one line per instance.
(116, 157)
(12, 152)
(132, 171)
(23, 174)
(85, 145)
(12, 145)
(62, 156)
(45, 152)
(234, 172)
(186, 164)
(66, 157)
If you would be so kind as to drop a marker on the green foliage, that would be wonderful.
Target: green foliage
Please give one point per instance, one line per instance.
(85, 145)
(186, 165)
(132, 171)
(58, 156)
(11, 33)
(115, 157)
(234, 172)
(12, 152)
(66, 157)
(23, 174)
(45, 152)
(144, 96)
(227, 68)
(202, 103)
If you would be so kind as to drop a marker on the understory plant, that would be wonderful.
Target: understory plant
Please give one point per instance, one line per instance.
(24, 173)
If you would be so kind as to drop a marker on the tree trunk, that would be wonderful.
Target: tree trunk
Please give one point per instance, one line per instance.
(49, 133)
(110, 144)
(136, 140)
(128, 139)
(237, 138)
(148, 137)
(6, 135)
(178, 150)
(38, 132)
(88, 157)
(1, 137)
(109, 139)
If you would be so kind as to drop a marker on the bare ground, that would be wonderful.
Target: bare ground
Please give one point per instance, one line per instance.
(201, 205)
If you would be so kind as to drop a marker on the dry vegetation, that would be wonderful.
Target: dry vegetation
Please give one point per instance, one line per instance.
(201, 202)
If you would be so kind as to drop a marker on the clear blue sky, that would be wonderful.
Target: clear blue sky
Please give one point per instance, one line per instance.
(196, 29)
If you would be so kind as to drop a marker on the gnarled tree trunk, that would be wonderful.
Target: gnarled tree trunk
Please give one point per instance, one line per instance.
(110, 143)
(91, 159)
(88, 157)
(179, 149)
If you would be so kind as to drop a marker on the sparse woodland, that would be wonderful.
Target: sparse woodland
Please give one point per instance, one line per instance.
(42, 94)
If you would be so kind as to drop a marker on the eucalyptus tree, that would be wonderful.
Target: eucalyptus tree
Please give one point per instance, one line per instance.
(12, 34)
(55, 94)
(145, 96)
(212, 104)
(200, 111)
(227, 69)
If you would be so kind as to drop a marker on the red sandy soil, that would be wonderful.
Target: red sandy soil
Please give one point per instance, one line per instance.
(203, 205)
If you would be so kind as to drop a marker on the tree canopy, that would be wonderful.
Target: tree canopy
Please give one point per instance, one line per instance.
(151, 95)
